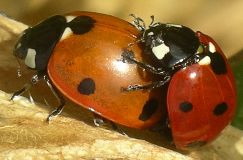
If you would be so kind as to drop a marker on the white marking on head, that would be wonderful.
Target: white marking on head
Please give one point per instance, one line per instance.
(160, 51)
(69, 18)
(67, 32)
(211, 47)
(30, 58)
(205, 61)
(150, 33)
(174, 25)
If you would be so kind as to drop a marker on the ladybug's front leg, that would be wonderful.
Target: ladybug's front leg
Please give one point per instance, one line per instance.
(34, 80)
(61, 100)
(128, 57)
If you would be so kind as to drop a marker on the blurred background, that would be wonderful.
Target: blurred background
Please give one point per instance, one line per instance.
(221, 19)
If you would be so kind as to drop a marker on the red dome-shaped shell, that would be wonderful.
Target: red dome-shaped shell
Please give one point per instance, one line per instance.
(87, 69)
(201, 101)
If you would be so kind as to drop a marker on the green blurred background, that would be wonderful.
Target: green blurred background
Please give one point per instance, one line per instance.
(221, 19)
(237, 65)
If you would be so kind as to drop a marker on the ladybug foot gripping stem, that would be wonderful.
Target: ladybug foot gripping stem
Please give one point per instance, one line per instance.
(55, 112)
(117, 129)
(60, 99)
(34, 80)
(99, 121)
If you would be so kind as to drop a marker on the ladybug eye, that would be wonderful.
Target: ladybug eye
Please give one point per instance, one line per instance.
(20, 50)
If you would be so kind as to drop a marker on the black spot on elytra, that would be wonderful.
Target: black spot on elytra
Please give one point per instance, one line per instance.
(186, 106)
(196, 144)
(220, 109)
(81, 24)
(218, 64)
(86, 86)
(149, 109)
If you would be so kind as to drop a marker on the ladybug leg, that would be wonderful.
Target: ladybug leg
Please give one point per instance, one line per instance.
(152, 85)
(61, 100)
(128, 56)
(56, 112)
(117, 129)
(98, 120)
(34, 80)
(138, 22)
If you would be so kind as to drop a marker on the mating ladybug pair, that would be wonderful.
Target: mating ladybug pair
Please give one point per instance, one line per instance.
(131, 75)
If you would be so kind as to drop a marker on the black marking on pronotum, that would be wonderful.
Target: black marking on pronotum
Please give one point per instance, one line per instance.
(44, 36)
(149, 109)
(81, 24)
(86, 86)
(218, 64)
(220, 109)
(186, 106)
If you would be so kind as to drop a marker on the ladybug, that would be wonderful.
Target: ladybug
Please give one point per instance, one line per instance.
(201, 94)
(79, 57)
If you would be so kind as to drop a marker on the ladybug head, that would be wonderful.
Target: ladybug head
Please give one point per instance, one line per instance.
(152, 37)
(36, 43)
(23, 50)
(168, 44)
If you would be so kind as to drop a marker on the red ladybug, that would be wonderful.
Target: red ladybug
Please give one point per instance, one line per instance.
(201, 97)
(79, 56)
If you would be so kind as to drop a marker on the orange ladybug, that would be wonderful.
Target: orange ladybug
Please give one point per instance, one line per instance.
(79, 55)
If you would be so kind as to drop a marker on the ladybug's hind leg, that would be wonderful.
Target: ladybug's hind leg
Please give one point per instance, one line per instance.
(117, 129)
(98, 121)
(61, 100)
(34, 80)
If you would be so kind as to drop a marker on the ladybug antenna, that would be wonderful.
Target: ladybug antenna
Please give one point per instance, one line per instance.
(152, 24)
(152, 21)
(138, 22)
